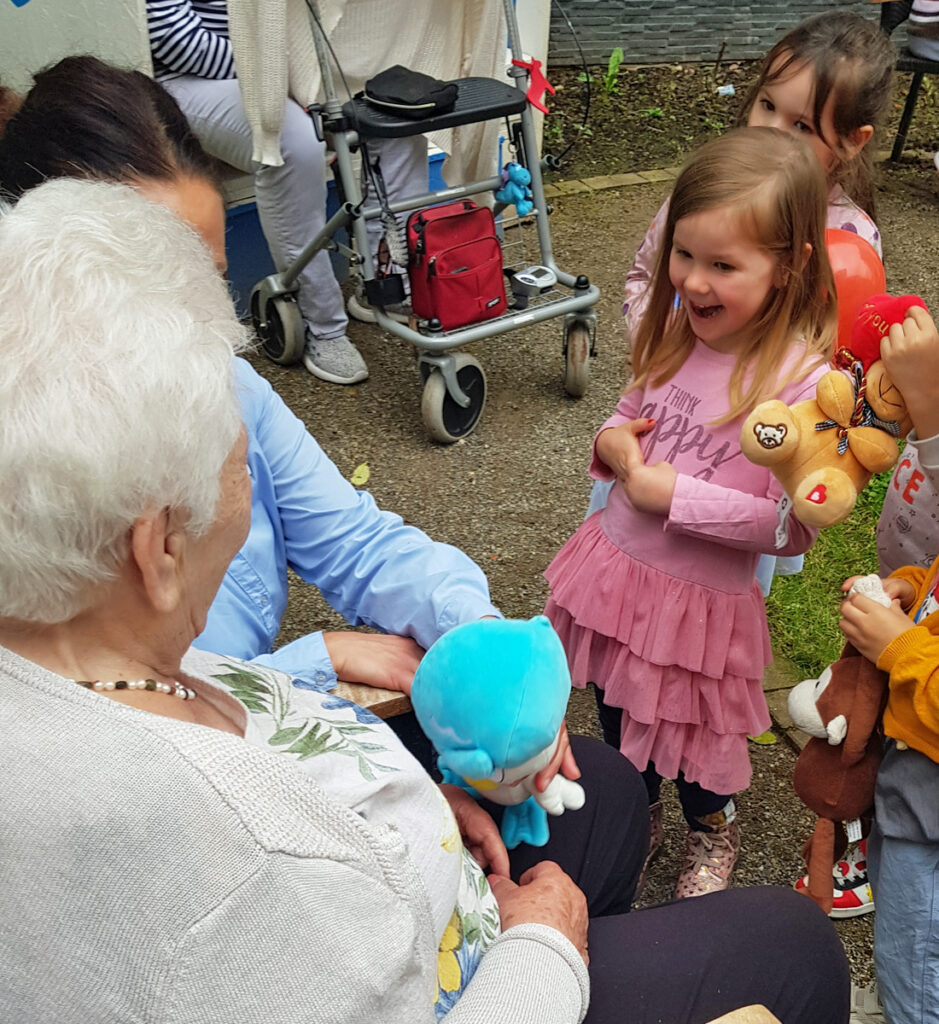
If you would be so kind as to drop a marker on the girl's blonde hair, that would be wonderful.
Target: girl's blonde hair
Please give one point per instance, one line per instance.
(852, 60)
(775, 186)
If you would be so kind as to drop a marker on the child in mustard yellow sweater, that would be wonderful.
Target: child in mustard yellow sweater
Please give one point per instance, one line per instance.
(903, 849)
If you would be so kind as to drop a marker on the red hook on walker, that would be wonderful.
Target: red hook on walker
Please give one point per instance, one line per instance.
(538, 84)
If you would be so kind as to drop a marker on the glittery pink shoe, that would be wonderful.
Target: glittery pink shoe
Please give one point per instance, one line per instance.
(709, 861)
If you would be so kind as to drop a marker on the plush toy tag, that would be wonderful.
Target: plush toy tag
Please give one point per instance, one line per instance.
(853, 830)
(783, 508)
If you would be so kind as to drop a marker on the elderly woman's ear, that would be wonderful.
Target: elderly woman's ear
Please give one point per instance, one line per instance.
(158, 543)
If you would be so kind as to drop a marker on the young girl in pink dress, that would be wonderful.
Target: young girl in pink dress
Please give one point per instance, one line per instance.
(829, 80)
(654, 596)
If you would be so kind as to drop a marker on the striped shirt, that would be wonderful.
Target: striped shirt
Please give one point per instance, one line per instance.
(190, 37)
(924, 19)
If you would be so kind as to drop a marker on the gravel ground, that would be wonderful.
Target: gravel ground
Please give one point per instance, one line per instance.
(514, 491)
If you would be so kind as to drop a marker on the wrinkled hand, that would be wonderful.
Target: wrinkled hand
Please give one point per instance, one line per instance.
(544, 895)
(870, 626)
(910, 352)
(480, 833)
(897, 590)
(649, 488)
(562, 761)
(374, 658)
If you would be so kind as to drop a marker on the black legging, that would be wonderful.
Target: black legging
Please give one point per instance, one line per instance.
(696, 801)
(695, 959)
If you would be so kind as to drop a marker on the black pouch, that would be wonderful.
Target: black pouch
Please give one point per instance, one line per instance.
(407, 93)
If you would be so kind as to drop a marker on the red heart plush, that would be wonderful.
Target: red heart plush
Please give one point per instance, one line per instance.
(874, 319)
(818, 494)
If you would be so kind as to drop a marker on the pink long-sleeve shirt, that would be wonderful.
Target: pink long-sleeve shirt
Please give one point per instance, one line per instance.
(724, 509)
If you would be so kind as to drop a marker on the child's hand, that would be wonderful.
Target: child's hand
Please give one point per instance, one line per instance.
(870, 626)
(649, 488)
(897, 590)
(617, 446)
(910, 352)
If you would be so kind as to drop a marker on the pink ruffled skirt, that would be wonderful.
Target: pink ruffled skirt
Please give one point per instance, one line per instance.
(683, 661)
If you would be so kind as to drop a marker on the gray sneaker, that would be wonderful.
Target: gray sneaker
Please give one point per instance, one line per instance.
(336, 360)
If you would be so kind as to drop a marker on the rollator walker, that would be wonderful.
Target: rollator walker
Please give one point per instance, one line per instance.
(454, 384)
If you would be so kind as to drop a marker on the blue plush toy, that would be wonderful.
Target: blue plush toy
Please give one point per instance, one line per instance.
(515, 182)
(491, 695)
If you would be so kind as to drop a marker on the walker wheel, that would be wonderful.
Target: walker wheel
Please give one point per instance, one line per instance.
(576, 358)
(280, 330)
(444, 419)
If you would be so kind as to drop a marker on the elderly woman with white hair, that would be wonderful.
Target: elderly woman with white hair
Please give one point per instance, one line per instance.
(193, 838)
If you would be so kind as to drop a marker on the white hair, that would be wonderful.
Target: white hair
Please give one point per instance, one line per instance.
(117, 394)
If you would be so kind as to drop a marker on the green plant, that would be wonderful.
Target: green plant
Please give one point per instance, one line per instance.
(610, 78)
(713, 124)
(583, 130)
(803, 610)
(652, 112)
(552, 132)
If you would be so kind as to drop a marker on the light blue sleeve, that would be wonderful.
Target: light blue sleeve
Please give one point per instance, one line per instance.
(599, 496)
(305, 658)
(368, 565)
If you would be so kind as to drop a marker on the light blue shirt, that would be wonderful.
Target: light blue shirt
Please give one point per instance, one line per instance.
(367, 564)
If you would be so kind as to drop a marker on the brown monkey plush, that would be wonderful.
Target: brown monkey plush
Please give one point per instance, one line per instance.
(835, 773)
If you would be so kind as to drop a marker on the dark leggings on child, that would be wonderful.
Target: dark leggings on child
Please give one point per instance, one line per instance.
(697, 803)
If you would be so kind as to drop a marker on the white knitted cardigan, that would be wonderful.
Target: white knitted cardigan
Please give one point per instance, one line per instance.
(274, 56)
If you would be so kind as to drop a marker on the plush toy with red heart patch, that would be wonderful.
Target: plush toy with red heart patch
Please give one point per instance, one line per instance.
(825, 450)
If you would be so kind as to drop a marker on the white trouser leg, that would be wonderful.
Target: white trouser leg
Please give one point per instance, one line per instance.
(291, 199)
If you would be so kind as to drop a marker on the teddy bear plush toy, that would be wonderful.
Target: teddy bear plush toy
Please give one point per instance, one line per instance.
(824, 450)
(491, 696)
(835, 773)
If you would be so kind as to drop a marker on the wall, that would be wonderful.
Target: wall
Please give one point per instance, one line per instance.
(666, 31)
(34, 33)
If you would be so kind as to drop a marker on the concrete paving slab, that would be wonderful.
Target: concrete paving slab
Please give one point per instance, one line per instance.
(572, 187)
(781, 674)
(659, 174)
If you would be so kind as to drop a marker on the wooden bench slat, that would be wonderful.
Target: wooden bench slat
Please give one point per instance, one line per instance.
(381, 702)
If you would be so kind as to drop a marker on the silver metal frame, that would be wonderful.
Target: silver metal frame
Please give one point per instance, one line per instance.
(432, 347)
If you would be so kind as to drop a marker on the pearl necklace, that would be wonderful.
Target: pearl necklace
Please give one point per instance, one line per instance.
(174, 688)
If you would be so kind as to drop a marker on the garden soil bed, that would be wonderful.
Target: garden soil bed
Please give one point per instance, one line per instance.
(652, 116)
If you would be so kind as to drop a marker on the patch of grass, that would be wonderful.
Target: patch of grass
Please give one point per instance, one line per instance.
(803, 610)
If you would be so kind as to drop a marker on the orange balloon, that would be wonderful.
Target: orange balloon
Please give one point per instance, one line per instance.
(858, 272)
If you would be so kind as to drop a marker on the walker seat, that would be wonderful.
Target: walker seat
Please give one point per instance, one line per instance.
(478, 99)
